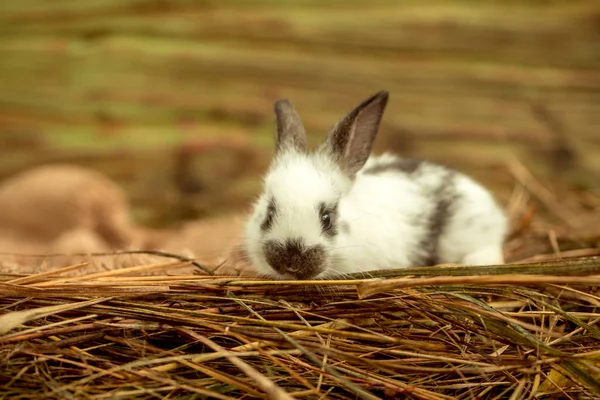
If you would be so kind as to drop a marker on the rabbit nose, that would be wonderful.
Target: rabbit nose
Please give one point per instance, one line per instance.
(293, 257)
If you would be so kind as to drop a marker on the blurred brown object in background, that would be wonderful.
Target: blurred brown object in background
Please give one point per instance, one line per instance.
(205, 177)
(68, 212)
(44, 203)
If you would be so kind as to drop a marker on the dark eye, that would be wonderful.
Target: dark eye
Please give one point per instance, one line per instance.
(326, 221)
(271, 213)
(328, 217)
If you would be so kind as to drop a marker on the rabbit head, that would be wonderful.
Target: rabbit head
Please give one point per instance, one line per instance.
(295, 221)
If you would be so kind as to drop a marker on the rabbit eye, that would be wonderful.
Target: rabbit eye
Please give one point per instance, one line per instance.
(326, 221)
(328, 215)
(271, 213)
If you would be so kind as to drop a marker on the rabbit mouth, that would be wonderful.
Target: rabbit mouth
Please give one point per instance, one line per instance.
(294, 258)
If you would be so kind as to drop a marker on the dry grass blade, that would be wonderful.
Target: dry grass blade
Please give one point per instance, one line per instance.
(367, 289)
(36, 277)
(115, 272)
(13, 319)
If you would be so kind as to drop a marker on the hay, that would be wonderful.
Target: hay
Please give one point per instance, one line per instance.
(515, 331)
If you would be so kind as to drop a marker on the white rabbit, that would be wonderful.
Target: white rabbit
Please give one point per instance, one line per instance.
(336, 211)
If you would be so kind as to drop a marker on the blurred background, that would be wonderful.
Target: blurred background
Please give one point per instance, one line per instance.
(173, 99)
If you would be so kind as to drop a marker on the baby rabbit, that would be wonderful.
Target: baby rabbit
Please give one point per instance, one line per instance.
(336, 211)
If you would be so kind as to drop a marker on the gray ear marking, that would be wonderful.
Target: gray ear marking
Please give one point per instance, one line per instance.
(290, 131)
(350, 141)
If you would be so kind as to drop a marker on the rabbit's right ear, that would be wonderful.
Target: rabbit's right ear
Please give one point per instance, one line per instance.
(350, 141)
(291, 134)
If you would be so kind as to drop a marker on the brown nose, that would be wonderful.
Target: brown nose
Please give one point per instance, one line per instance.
(293, 257)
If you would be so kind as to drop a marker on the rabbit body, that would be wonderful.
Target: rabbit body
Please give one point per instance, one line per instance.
(338, 211)
(400, 217)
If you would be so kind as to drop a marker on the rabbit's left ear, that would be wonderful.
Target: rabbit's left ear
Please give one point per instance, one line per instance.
(291, 134)
(350, 141)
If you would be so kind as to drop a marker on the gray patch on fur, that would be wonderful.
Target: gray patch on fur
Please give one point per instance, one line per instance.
(345, 227)
(445, 196)
(293, 257)
(400, 164)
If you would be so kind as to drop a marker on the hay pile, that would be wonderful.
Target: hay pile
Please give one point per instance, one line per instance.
(518, 331)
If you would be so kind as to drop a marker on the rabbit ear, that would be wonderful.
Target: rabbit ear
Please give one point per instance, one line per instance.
(290, 131)
(350, 141)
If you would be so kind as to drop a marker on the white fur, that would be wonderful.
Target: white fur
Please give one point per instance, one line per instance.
(386, 213)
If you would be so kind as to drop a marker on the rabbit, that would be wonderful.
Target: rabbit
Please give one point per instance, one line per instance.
(338, 210)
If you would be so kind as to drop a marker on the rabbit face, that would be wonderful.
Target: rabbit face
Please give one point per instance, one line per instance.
(295, 223)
